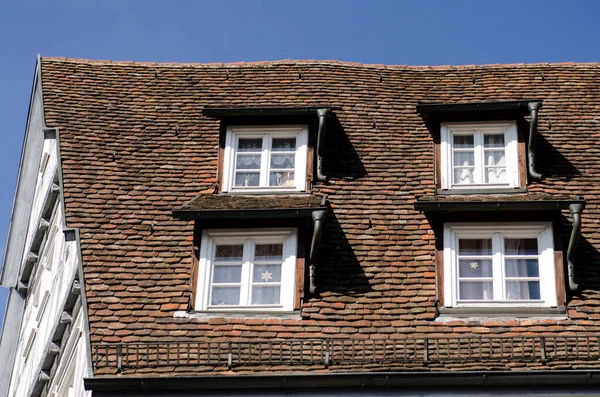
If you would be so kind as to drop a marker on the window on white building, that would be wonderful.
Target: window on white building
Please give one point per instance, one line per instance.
(499, 265)
(252, 269)
(482, 155)
(265, 158)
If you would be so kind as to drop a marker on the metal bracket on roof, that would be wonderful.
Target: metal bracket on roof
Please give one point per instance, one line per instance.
(533, 107)
(575, 209)
(315, 246)
(322, 114)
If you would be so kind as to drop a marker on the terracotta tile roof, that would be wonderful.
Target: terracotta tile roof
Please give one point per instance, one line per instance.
(135, 145)
(240, 202)
(499, 197)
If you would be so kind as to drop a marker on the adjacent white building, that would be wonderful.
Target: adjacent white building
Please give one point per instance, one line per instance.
(45, 332)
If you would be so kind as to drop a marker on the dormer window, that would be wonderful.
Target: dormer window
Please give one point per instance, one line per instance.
(265, 159)
(483, 147)
(479, 155)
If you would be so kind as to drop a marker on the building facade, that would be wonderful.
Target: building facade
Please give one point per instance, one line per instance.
(305, 227)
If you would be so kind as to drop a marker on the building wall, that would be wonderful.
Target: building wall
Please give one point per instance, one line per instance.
(51, 353)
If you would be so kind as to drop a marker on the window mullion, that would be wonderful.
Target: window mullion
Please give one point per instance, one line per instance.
(498, 266)
(479, 160)
(265, 158)
(246, 272)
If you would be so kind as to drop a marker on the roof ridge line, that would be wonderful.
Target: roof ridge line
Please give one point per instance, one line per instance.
(314, 62)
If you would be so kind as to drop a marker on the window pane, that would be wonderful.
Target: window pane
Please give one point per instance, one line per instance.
(475, 268)
(229, 253)
(283, 160)
(227, 274)
(520, 246)
(225, 296)
(495, 175)
(247, 178)
(474, 290)
(250, 145)
(282, 178)
(464, 159)
(463, 175)
(521, 290)
(493, 140)
(281, 144)
(468, 246)
(268, 252)
(463, 141)
(265, 295)
(267, 274)
(522, 268)
(494, 157)
(248, 162)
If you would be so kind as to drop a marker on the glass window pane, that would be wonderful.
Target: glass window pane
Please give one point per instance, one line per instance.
(248, 162)
(265, 295)
(467, 246)
(266, 274)
(494, 157)
(495, 175)
(282, 178)
(464, 159)
(229, 253)
(463, 176)
(247, 179)
(283, 144)
(463, 141)
(225, 296)
(520, 246)
(493, 140)
(475, 268)
(522, 290)
(474, 290)
(268, 252)
(250, 145)
(283, 160)
(227, 274)
(522, 268)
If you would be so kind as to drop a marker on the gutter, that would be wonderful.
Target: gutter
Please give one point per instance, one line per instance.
(425, 380)
(315, 246)
(533, 107)
(575, 209)
(322, 114)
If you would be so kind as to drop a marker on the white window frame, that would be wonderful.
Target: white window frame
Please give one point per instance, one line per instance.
(248, 237)
(300, 132)
(509, 129)
(497, 232)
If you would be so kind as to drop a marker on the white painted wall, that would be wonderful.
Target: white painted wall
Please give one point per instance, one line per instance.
(17, 231)
(49, 288)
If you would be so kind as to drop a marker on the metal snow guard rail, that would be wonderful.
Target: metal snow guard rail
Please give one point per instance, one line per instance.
(347, 351)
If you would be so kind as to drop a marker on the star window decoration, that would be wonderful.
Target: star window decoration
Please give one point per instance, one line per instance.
(474, 265)
(266, 276)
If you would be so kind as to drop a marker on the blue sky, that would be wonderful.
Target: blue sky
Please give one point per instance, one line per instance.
(432, 32)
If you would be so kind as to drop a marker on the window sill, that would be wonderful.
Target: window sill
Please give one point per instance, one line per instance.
(479, 191)
(284, 315)
(450, 313)
(255, 192)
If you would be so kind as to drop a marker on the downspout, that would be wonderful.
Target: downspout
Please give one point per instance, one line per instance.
(322, 114)
(533, 107)
(575, 209)
(315, 246)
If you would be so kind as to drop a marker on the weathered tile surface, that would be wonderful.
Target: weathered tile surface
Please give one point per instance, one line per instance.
(135, 146)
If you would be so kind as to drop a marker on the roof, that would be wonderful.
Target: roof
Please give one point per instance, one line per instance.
(493, 202)
(135, 145)
(240, 202)
(222, 205)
